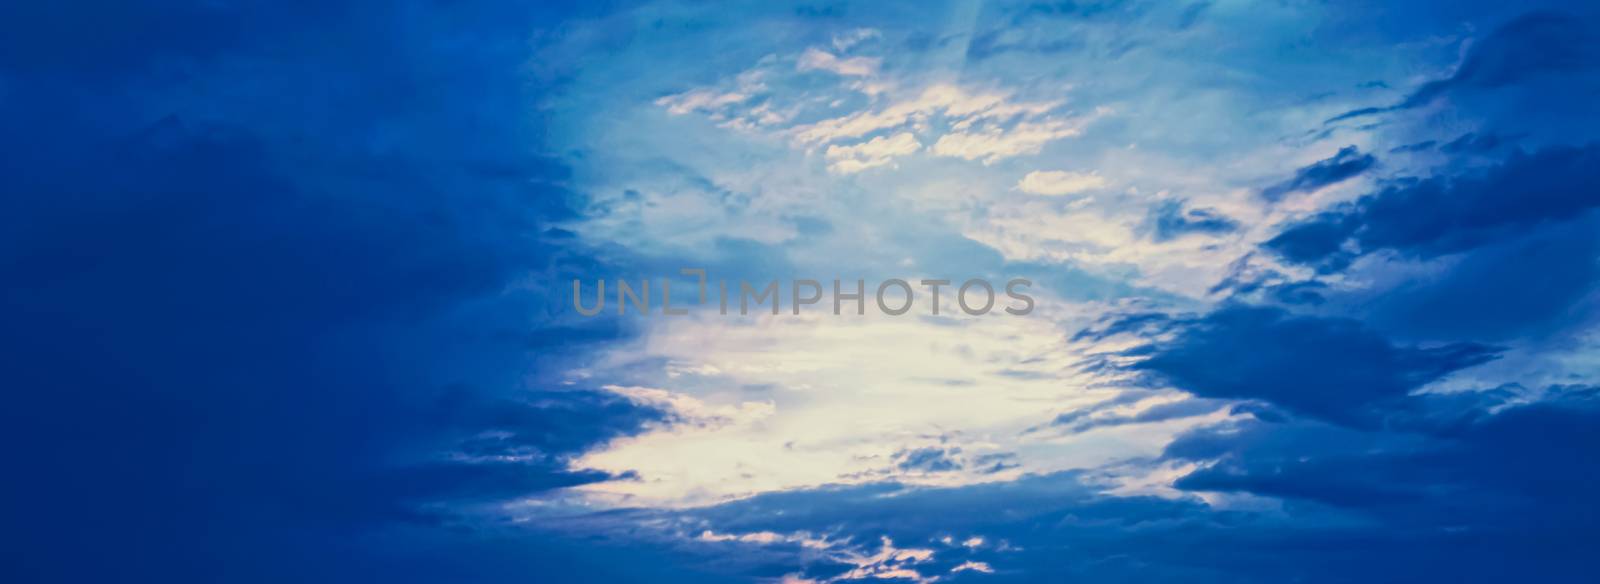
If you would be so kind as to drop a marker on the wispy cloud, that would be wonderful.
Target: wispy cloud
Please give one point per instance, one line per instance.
(876, 152)
(1060, 182)
(815, 59)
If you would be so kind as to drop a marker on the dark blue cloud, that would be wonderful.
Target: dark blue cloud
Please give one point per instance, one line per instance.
(928, 459)
(267, 297)
(1172, 220)
(1327, 368)
(1508, 215)
(1451, 462)
(1342, 166)
(1503, 472)
(1446, 214)
(1415, 147)
(1317, 241)
(1519, 240)
(1247, 281)
(1529, 47)
(1358, 506)
(1079, 421)
(1304, 462)
(1530, 287)
(1474, 143)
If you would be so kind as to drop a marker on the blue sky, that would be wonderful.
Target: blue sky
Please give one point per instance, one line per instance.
(288, 291)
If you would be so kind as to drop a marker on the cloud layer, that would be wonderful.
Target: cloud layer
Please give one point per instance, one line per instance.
(1315, 285)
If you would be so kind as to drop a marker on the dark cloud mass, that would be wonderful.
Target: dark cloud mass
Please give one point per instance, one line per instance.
(928, 459)
(1519, 472)
(1439, 215)
(1172, 220)
(1328, 368)
(1342, 166)
(1513, 255)
(1526, 49)
(262, 319)
(1518, 241)
(1535, 44)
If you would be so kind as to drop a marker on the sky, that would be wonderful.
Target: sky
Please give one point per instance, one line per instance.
(290, 291)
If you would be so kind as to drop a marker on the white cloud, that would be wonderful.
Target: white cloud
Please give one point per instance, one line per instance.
(820, 60)
(844, 41)
(962, 108)
(888, 562)
(804, 539)
(872, 153)
(960, 122)
(701, 100)
(847, 395)
(980, 567)
(743, 103)
(1103, 237)
(1059, 182)
(687, 409)
(995, 143)
(840, 397)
